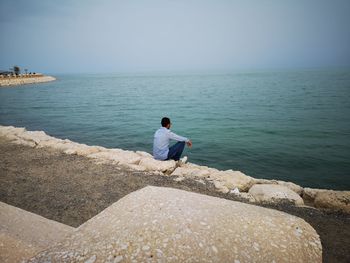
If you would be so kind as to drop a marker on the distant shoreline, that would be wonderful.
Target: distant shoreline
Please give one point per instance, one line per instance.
(21, 80)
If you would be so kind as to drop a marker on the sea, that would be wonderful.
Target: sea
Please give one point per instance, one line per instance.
(284, 125)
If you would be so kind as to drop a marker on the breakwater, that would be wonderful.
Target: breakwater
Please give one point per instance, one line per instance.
(20, 80)
(229, 182)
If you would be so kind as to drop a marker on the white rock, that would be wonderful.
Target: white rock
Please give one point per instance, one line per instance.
(151, 164)
(10, 136)
(134, 167)
(309, 194)
(226, 233)
(117, 156)
(24, 234)
(234, 179)
(144, 154)
(92, 259)
(35, 136)
(274, 193)
(24, 142)
(221, 187)
(190, 172)
(247, 197)
(57, 145)
(234, 191)
(83, 150)
(7, 130)
(333, 200)
(179, 179)
(292, 186)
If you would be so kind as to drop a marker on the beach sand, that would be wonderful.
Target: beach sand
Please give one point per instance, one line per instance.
(71, 189)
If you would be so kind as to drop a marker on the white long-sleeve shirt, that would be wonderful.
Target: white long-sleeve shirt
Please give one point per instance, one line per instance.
(161, 142)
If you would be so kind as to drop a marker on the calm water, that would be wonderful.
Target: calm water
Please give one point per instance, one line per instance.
(291, 126)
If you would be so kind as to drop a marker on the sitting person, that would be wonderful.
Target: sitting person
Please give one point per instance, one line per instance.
(162, 136)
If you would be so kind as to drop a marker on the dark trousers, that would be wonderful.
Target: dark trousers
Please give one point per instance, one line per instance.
(175, 151)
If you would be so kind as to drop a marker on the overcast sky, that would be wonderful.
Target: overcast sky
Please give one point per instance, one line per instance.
(173, 35)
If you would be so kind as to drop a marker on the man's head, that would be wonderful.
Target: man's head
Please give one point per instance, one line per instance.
(166, 122)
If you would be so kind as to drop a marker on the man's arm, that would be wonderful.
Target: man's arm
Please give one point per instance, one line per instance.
(176, 137)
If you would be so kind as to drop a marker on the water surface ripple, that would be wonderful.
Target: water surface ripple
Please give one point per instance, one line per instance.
(292, 126)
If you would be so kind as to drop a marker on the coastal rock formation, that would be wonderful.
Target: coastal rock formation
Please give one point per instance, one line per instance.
(150, 164)
(23, 234)
(221, 187)
(24, 80)
(328, 199)
(274, 193)
(333, 200)
(234, 179)
(116, 156)
(309, 194)
(191, 172)
(224, 181)
(157, 224)
(292, 186)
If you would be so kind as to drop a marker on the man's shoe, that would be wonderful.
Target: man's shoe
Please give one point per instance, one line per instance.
(182, 161)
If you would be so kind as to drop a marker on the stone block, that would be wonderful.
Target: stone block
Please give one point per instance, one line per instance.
(333, 200)
(157, 224)
(24, 234)
(274, 193)
(151, 164)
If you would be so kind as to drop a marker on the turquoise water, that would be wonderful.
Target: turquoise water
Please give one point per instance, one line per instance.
(292, 126)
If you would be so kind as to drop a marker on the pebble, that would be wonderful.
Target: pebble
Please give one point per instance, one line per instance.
(118, 259)
(91, 259)
(145, 248)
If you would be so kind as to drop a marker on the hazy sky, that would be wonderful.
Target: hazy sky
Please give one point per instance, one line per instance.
(173, 35)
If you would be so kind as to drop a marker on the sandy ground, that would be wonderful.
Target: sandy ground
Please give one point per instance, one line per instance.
(72, 189)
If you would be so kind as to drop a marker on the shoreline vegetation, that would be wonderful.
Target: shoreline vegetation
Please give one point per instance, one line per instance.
(79, 191)
(21, 79)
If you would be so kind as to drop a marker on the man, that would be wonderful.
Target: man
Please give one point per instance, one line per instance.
(162, 136)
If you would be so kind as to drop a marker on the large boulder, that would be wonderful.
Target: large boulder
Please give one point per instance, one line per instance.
(191, 172)
(116, 156)
(333, 200)
(220, 186)
(234, 179)
(82, 149)
(167, 225)
(144, 154)
(35, 136)
(292, 186)
(274, 193)
(309, 194)
(23, 234)
(327, 199)
(10, 130)
(25, 143)
(57, 144)
(150, 164)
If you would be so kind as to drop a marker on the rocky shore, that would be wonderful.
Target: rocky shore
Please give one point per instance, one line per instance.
(229, 181)
(20, 80)
(91, 188)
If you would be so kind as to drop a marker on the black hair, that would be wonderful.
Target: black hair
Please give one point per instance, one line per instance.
(165, 121)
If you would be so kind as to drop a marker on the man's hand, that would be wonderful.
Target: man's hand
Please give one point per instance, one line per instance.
(189, 144)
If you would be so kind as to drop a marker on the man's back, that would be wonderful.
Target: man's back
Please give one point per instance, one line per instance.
(161, 141)
(161, 144)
